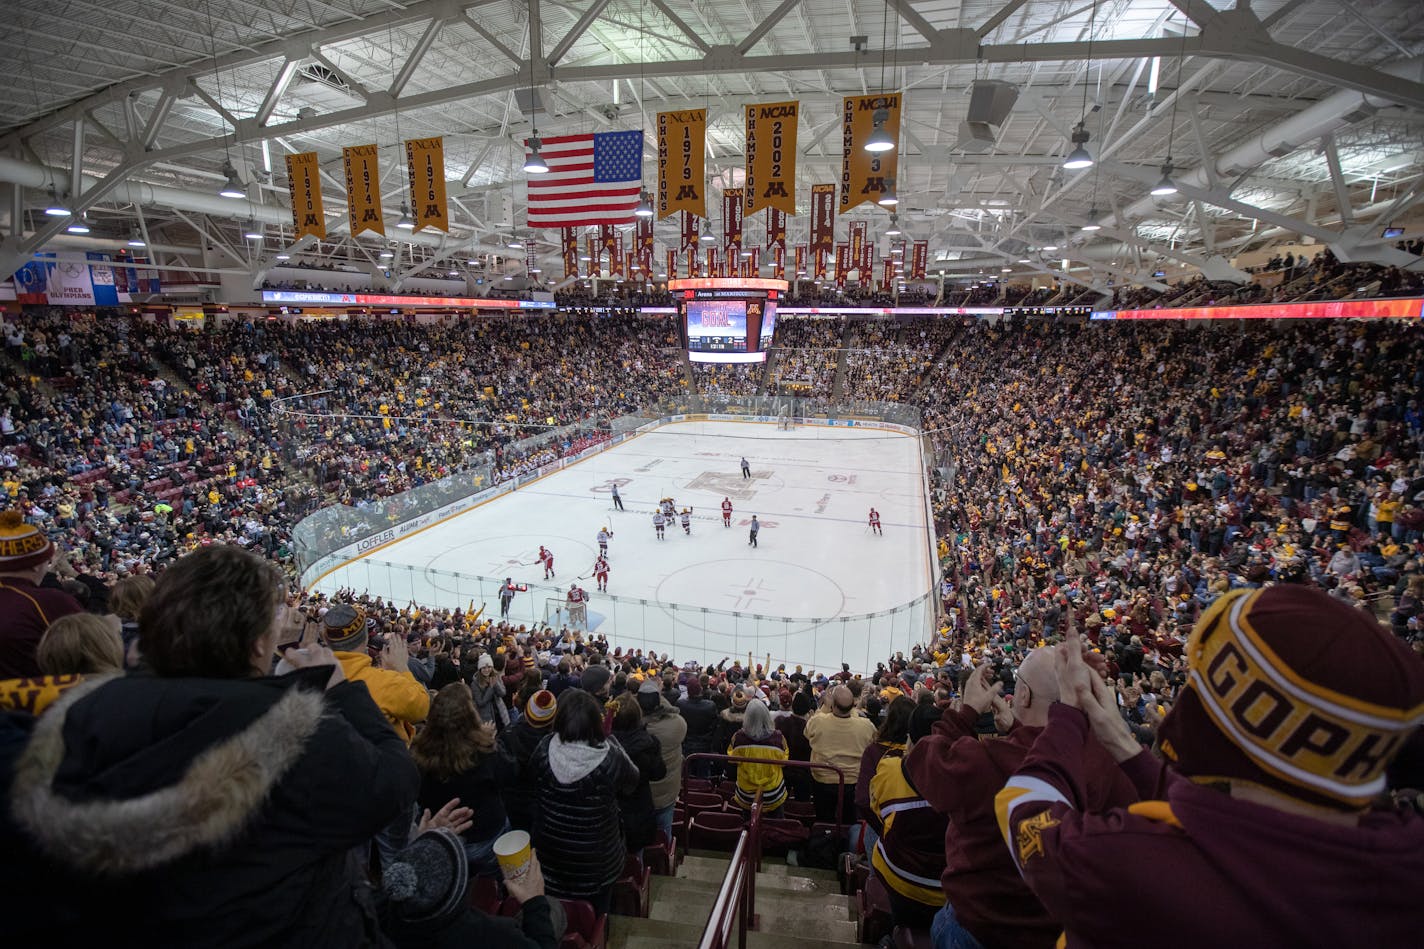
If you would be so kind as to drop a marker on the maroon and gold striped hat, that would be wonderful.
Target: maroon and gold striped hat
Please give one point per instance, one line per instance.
(22, 546)
(1298, 691)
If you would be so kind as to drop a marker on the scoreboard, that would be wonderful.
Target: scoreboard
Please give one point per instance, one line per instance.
(727, 319)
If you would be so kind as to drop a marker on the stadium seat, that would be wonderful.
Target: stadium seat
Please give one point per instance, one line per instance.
(661, 855)
(632, 891)
(697, 802)
(907, 938)
(874, 917)
(714, 830)
(483, 895)
(586, 930)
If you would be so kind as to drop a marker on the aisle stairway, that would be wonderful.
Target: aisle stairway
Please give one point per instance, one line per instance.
(796, 907)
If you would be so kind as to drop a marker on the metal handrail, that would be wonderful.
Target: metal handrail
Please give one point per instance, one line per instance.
(738, 890)
(789, 763)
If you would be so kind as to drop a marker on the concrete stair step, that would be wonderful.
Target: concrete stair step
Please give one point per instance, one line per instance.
(630, 932)
(771, 878)
(769, 865)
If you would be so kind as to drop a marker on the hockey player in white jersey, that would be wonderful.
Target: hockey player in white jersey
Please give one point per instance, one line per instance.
(603, 535)
(687, 521)
(658, 522)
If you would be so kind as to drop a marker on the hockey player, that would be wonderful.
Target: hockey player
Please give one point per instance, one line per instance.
(600, 573)
(726, 512)
(506, 596)
(875, 520)
(546, 558)
(603, 534)
(746, 469)
(658, 522)
(752, 534)
(617, 498)
(578, 610)
(687, 521)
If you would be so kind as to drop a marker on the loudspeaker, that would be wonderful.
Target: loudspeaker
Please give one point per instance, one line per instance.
(976, 138)
(991, 101)
(530, 101)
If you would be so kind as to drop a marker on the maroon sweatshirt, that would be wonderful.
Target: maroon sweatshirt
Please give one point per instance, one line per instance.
(959, 775)
(1201, 868)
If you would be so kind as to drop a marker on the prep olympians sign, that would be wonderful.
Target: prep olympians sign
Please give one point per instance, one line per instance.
(865, 176)
(681, 162)
(771, 157)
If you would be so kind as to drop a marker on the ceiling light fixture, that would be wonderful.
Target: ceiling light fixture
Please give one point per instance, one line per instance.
(79, 225)
(284, 256)
(879, 140)
(251, 231)
(406, 222)
(1079, 157)
(888, 197)
(1092, 223)
(894, 229)
(534, 163)
(645, 207)
(232, 188)
(136, 239)
(1166, 186)
(706, 236)
(56, 207)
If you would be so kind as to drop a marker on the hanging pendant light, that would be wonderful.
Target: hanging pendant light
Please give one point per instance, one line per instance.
(888, 197)
(233, 187)
(406, 222)
(894, 229)
(1079, 157)
(706, 236)
(645, 207)
(879, 140)
(79, 225)
(136, 239)
(1166, 186)
(534, 163)
(1092, 223)
(56, 207)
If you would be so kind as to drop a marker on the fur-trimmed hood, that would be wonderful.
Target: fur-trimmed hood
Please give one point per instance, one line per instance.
(126, 774)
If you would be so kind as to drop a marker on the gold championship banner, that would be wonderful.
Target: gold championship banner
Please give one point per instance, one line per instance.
(682, 153)
(864, 175)
(425, 163)
(363, 189)
(771, 157)
(823, 218)
(568, 241)
(304, 187)
(732, 222)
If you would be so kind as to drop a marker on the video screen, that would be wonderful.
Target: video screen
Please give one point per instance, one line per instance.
(768, 324)
(717, 331)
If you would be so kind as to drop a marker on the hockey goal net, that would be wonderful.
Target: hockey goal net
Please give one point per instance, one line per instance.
(785, 422)
(559, 612)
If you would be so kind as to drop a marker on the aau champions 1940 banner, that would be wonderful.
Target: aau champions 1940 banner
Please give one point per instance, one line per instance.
(304, 188)
(864, 175)
(771, 157)
(682, 153)
(363, 189)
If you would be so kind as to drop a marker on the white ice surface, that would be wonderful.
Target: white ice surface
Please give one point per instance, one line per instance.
(801, 595)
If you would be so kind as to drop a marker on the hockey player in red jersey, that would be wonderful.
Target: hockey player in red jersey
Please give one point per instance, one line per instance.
(600, 573)
(875, 520)
(726, 512)
(546, 557)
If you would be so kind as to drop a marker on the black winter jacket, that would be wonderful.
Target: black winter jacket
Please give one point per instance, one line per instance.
(212, 812)
(577, 830)
(520, 740)
(636, 807)
(701, 716)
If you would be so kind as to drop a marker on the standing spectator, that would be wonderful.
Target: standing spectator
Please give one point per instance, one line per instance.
(669, 728)
(489, 692)
(636, 807)
(458, 758)
(986, 901)
(395, 691)
(909, 854)
(889, 739)
(578, 777)
(758, 740)
(838, 736)
(793, 726)
(519, 741)
(203, 796)
(26, 608)
(701, 717)
(1256, 809)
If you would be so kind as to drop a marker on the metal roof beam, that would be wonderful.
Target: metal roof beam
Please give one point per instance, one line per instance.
(908, 13)
(572, 36)
(417, 53)
(766, 25)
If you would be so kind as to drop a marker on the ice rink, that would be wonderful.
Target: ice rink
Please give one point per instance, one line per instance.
(801, 595)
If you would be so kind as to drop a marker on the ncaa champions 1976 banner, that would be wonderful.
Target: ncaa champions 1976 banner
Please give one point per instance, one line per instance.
(425, 162)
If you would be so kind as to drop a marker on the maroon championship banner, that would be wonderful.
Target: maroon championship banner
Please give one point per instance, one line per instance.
(755, 269)
(644, 244)
(842, 263)
(776, 228)
(800, 260)
(595, 258)
(887, 273)
(671, 264)
(919, 263)
(689, 230)
(858, 230)
(823, 218)
(712, 262)
(778, 261)
(608, 240)
(732, 224)
(568, 242)
(615, 255)
(819, 256)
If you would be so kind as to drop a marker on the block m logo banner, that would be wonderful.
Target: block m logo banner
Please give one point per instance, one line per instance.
(865, 176)
(425, 163)
(363, 189)
(771, 157)
(682, 152)
(304, 187)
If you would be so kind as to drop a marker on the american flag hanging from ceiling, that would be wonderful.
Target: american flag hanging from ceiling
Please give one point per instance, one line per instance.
(595, 178)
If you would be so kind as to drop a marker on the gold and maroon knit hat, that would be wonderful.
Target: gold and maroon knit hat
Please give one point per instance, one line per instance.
(1295, 690)
(541, 707)
(344, 628)
(22, 546)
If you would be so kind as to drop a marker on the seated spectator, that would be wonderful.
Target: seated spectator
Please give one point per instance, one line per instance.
(423, 902)
(225, 834)
(395, 691)
(636, 807)
(459, 759)
(908, 854)
(758, 740)
(74, 646)
(578, 777)
(1278, 749)
(26, 608)
(126, 601)
(519, 741)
